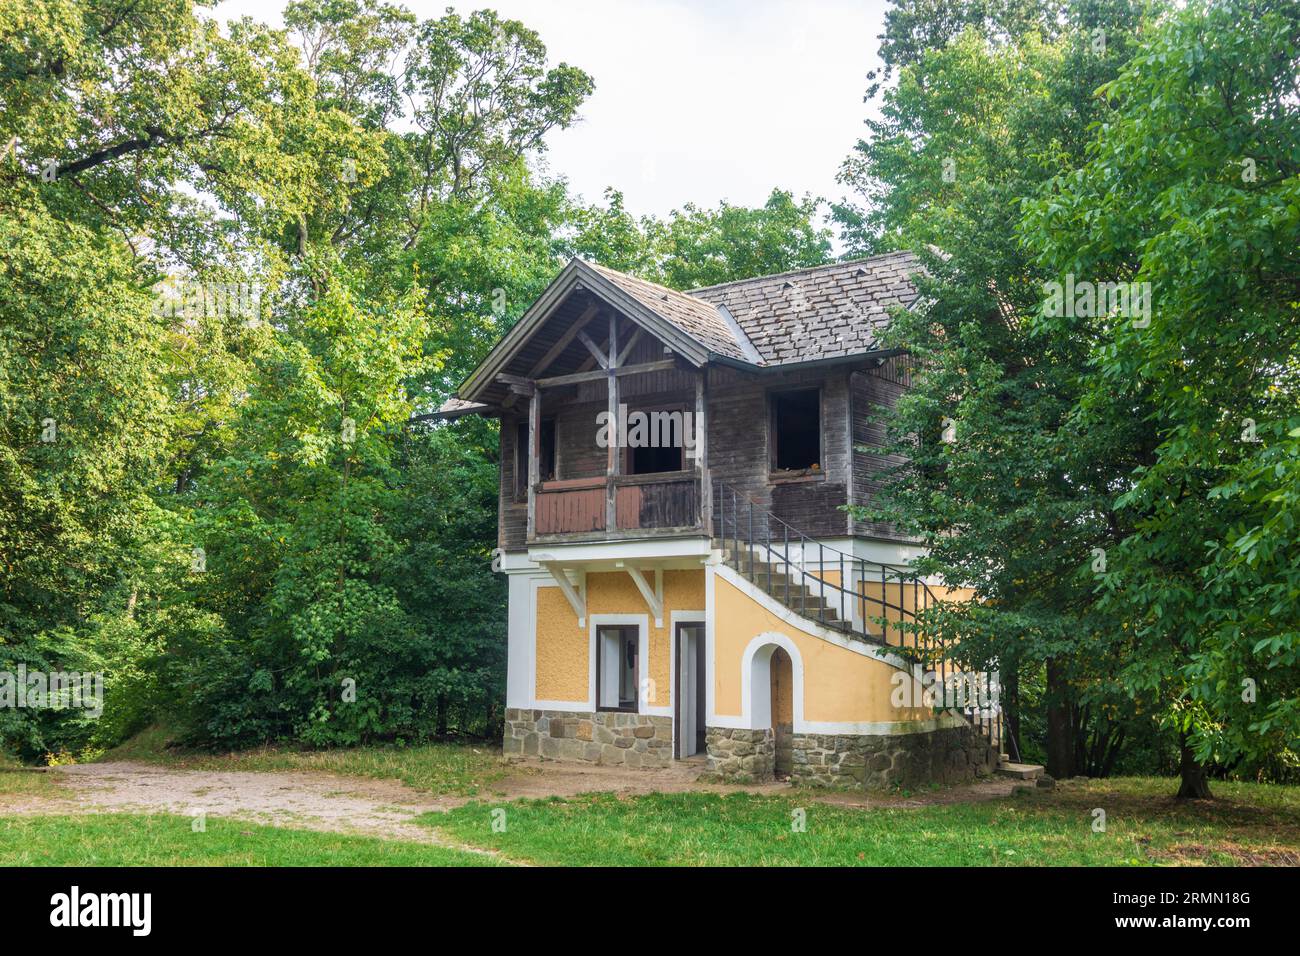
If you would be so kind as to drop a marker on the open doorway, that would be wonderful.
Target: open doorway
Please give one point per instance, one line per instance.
(688, 696)
(782, 671)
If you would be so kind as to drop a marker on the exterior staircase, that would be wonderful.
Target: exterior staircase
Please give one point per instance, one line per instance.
(791, 589)
(872, 602)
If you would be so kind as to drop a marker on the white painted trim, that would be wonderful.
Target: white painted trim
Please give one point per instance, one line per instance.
(691, 546)
(521, 613)
(687, 617)
(642, 623)
(812, 628)
(757, 709)
(581, 706)
(654, 597)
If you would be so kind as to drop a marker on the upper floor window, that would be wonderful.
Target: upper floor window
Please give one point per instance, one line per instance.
(545, 455)
(655, 440)
(796, 430)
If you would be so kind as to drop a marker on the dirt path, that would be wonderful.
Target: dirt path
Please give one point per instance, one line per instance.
(386, 808)
(308, 800)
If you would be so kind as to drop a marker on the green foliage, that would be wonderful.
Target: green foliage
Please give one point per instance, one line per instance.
(1193, 188)
(696, 247)
(1005, 495)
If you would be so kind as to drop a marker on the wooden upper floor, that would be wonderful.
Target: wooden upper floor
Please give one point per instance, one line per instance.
(624, 405)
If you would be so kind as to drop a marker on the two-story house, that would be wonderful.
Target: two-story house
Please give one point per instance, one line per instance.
(684, 578)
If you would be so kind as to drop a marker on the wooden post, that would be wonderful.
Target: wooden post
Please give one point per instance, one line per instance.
(702, 450)
(534, 437)
(614, 461)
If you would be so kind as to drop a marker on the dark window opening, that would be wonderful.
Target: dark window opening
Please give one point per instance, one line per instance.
(648, 461)
(796, 430)
(616, 668)
(655, 441)
(545, 455)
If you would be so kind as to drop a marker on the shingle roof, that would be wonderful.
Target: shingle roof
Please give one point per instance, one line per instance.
(456, 407)
(696, 317)
(820, 312)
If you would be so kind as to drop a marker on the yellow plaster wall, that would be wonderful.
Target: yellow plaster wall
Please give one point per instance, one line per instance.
(893, 634)
(564, 649)
(838, 684)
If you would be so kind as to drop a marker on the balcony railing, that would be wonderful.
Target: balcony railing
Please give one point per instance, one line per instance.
(579, 506)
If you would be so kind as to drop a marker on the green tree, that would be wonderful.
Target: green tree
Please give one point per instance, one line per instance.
(1005, 496)
(1193, 187)
(695, 247)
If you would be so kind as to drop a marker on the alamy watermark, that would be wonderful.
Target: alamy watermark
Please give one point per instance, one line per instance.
(976, 691)
(38, 690)
(1085, 300)
(189, 300)
(661, 429)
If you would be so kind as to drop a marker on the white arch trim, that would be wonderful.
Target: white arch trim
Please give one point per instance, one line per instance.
(756, 679)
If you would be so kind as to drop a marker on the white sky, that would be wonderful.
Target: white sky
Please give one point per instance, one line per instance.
(695, 102)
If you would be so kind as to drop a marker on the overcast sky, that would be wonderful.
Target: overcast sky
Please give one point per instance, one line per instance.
(696, 102)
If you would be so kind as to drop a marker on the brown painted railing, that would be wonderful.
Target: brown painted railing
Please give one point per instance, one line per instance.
(801, 573)
(652, 502)
(570, 507)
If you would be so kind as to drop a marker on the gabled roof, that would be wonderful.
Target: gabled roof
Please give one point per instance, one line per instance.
(823, 312)
(698, 318)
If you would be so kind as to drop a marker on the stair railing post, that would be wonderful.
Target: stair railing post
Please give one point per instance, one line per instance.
(785, 533)
(850, 627)
(821, 576)
(767, 552)
(750, 543)
(803, 578)
(735, 531)
(884, 606)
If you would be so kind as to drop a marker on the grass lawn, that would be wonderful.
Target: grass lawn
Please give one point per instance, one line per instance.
(120, 839)
(1248, 823)
(437, 768)
(18, 781)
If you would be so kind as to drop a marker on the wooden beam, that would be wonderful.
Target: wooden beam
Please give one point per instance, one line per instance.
(615, 457)
(519, 380)
(627, 349)
(577, 596)
(595, 351)
(588, 363)
(701, 449)
(597, 375)
(654, 599)
(534, 436)
(554, 351)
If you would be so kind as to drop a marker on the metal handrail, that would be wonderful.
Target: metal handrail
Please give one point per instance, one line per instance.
(858, 570)
(728, 520)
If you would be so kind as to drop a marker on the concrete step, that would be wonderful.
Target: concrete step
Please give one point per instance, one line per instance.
(1020, 771)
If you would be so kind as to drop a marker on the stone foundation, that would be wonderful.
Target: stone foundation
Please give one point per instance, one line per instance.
(740, 756)
(950, 755)
(606, 737)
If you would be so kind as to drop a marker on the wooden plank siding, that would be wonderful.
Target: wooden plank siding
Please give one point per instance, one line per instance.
(740, 455)
(739, 452)
(873, 391)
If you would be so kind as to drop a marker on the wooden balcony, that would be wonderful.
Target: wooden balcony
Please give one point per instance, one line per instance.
(578, 508)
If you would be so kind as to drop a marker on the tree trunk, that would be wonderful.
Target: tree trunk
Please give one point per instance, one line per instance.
(1011, 709)
(1060, 735)
(1194, 784)
(441, 726)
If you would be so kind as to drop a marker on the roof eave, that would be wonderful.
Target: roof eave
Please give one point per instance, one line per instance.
(879, 355)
